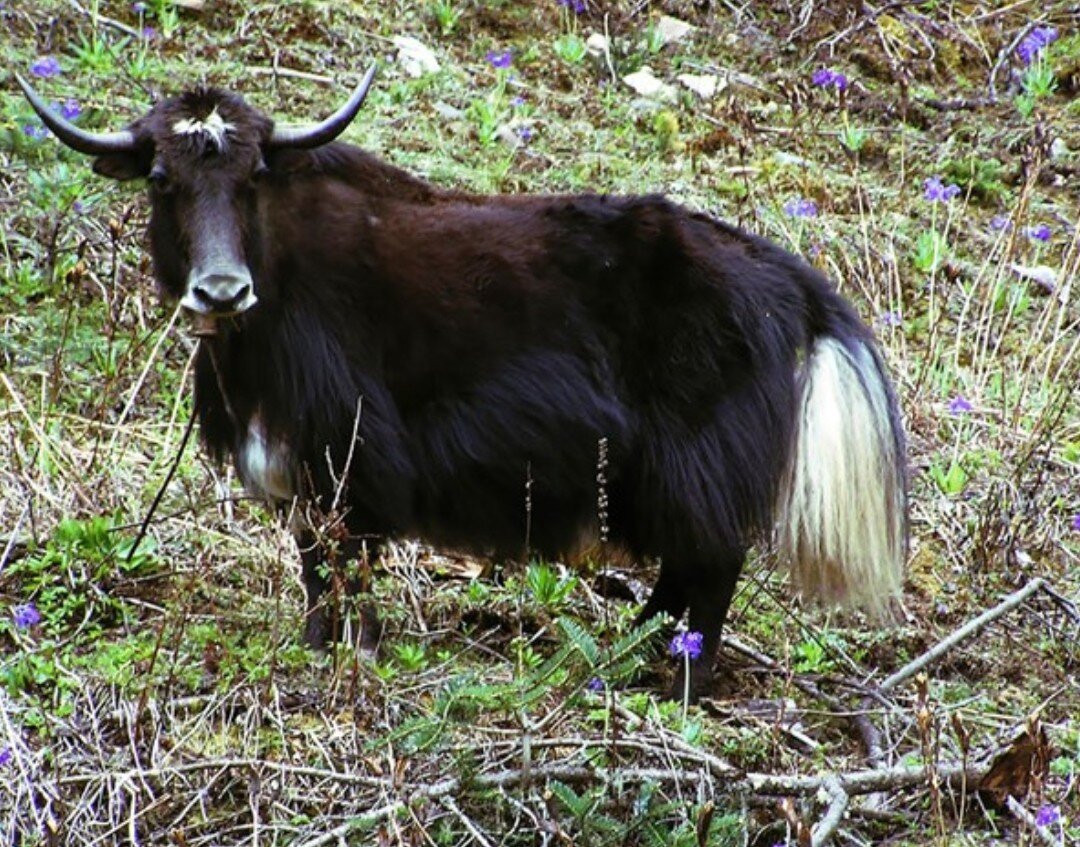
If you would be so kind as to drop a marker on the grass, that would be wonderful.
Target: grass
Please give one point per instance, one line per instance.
(163, 698)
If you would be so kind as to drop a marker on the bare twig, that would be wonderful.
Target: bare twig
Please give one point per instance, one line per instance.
(288, 72)
(966, 631)
(466, 822)
(838, 803)
(102, 19)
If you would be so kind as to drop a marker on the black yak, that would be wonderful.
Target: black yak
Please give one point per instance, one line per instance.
(416, 357)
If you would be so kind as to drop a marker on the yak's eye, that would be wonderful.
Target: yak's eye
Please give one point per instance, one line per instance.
(158, 177)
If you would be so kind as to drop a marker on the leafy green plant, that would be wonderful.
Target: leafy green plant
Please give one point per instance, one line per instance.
(97, 55)
(978, 176)
(951, 478)
(411, 657)
(446, 15)
(853, 138)
(72, 578)
(571, 48)
(931, 248)
(548, 588)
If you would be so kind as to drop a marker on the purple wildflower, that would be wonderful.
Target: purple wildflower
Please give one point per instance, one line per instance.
(890, 319)
(5, 756)
(1038, 233)
(828, 78)
(575, 6)
(959, 404)
(524, 133)
(1047, 815)
(1076, 522)
(138, 8)
(686, 644)
(800, 207)
(26, 616)
(1035, 42)
(936, 191)
(517, 101)
(45, 67)
(149, 33)
(500, 58)
(595, 685)
(70, 109)
(35, 131)
(1000, 223)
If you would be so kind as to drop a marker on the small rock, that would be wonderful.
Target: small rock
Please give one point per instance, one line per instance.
(444, 109)
(598, 45)
(1059, 149)
(704, 86)
(414, 57)
(669, 30)
(644, 83)
(1043, 276)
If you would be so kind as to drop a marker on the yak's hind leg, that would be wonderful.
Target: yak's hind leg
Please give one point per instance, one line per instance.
(705, 586)
(714, 584)
(668, 596)
(333, 575)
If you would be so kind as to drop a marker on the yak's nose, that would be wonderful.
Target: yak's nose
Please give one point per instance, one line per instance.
(219, 294)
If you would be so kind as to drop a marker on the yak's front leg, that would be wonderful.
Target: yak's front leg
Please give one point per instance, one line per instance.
(337, 577)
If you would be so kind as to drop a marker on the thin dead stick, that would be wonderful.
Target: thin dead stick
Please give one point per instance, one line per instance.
(838, 802)
(13, 539)
(466, 822)
(101, 19)
(966, 631)
(288, 72)
(161, 490)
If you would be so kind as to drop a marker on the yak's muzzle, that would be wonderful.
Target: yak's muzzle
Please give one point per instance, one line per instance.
(220, 293)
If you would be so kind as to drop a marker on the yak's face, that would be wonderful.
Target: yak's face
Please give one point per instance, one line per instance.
(203, 178)
(203, 154)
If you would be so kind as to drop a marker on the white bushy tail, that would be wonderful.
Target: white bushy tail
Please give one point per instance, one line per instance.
(843, 504)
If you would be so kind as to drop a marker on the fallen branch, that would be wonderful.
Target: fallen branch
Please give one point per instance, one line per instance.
(840, 787)
(102, 19)
(288, 72)
(830, 821)
(966, 631)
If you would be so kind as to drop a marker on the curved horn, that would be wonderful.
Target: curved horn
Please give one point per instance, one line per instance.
(312, 135)
(90, 143)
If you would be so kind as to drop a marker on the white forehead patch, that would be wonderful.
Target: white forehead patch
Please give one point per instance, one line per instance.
(212, 126)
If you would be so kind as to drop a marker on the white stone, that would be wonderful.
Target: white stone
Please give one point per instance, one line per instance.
(1042, 275)
(414, 57)
(644, 83)
(598, 45)
(704, 86)
(669, 30)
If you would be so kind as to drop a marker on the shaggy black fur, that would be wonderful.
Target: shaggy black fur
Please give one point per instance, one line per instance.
(493, 341)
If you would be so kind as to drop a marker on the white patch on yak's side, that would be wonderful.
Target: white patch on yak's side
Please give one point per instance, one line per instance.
(264, 467)
(213, 126)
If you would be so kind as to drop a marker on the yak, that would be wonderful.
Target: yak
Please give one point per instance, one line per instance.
(433, 363)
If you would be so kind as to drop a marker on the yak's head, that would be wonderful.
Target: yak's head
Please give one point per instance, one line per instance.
(203, 154)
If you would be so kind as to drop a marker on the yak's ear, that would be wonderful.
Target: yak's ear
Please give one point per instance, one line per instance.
(123, 166)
